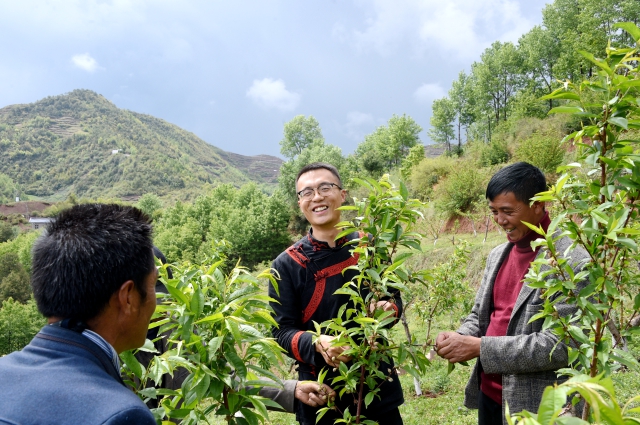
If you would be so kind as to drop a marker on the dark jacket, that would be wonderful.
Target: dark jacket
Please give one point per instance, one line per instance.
(62, 377)
(310, 272)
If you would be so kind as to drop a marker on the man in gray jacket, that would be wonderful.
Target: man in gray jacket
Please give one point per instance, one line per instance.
(516, 359)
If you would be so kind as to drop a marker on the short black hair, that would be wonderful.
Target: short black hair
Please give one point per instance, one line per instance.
(319, 166)
(86, 253)
(522, 179)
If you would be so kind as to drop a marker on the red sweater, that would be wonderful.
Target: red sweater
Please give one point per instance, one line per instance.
(505, 293)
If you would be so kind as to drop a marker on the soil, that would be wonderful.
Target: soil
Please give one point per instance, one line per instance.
(26, 208)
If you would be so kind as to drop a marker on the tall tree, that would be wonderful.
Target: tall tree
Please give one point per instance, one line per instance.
(461, 95)
(404, 133)
(442, 116)
(499, 75)
(540, 52)
(300, 133)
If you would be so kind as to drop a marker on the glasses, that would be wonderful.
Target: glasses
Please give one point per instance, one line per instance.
(323, 190)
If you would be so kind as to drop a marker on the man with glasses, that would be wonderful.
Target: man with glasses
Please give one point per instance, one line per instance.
(311, 270)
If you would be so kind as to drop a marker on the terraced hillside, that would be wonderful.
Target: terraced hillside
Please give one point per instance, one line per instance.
(82, 143)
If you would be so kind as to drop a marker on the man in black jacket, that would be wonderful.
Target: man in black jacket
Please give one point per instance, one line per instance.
(310, 272)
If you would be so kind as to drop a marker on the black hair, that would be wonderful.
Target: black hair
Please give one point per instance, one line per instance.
(86, 253)
(522, 179)
(319, 166)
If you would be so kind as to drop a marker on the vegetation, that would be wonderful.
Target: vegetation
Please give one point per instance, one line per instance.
(509, 79)
(115, 153)
(253, 224)
(18, 324)
(217, 324)
(598, 205)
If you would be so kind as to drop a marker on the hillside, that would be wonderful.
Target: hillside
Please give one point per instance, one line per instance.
(80, 142)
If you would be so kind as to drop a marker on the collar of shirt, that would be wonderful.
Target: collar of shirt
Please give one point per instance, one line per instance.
(104, 346)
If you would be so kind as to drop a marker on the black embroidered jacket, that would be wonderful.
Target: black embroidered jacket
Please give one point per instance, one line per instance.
(310, 272)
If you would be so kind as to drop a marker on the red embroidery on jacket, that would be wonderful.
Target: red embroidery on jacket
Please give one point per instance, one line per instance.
(294, 345)
(295, 252)
(321, 280)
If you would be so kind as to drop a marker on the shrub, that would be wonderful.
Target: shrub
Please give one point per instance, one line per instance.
(14, 280)
(18, 324)
(428, 173)
(543, 150)
(457, 193)
(494, 153)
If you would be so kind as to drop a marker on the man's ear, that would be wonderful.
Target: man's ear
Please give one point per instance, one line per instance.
(124, 296)
(538, 207)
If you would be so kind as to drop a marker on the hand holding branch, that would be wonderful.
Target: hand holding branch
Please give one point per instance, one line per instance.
(313, 394)
(332, 354)
(457, 348)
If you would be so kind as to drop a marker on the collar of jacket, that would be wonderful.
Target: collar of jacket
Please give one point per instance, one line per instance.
(65, 336)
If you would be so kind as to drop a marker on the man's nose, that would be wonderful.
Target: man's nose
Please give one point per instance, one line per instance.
(317, 194)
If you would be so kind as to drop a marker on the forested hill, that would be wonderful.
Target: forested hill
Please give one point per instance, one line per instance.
(67, 144)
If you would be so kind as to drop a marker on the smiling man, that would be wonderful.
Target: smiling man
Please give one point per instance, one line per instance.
(516, 359)
(310, 272)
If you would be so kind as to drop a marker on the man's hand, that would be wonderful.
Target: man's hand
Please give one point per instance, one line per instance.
(332, 355)
(313, 394)
(457, 348)
(385, 305)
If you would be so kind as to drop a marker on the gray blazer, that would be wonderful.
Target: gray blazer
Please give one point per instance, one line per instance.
(525, 357)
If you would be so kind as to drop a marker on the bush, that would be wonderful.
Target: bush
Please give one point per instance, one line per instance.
(14, 280)
(458, 192)
(428, 173)
(254, 224)
(543, 150)
(494, 153)
(6, 231)
(18, 324)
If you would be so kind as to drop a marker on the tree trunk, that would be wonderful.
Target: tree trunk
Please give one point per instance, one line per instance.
(405, 324)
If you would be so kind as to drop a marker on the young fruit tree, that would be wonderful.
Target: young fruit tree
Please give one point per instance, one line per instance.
(385, 220)
(597, 200)
(217, 325)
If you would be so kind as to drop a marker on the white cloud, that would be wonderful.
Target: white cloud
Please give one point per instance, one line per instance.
(269, 93)
(458, 28)
(427, 93)
(85, 62)
(358, 124)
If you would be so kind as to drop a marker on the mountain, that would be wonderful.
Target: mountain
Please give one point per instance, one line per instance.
(82, 143)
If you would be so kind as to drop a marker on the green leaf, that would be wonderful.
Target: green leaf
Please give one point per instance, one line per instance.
(212, 319)
(233, 327)
(597, 62)
(619, 121)
(631, 28)
(213, 346)
(236, 362)
(178, 295)
(368, 399)
(132, 363)
(197, 302)
(561, 95)
(566, 110)
(553, 400)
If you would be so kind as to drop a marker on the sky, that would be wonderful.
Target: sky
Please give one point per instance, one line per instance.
(234, 72)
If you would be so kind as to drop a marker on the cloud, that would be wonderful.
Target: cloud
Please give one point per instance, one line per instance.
(355, 123)
(85, 62)
(459, 28)
(273, 94)
(427, 93)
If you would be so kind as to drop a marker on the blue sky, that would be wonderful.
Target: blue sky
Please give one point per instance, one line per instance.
(233, 72)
